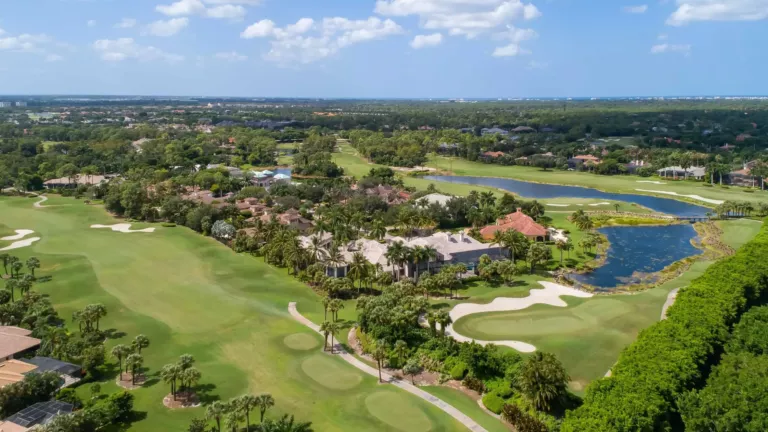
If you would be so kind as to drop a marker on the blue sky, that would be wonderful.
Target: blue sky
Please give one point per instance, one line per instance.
(384, 48)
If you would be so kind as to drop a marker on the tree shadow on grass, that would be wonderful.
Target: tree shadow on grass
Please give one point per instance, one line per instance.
(438, 306)
(113, 334)
(204, 393)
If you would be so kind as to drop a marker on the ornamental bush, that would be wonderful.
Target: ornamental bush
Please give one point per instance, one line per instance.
(675, 355)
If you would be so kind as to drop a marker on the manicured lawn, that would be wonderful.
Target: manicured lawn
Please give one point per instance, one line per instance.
(468, 407)
(620, 184)
(588, 335)
(739, 231)
(190, 294)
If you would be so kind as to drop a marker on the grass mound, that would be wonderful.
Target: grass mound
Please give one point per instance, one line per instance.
(301, 342)
(331, 373)
(390, 409)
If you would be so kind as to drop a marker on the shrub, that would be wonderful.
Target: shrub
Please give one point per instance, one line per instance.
(458, 371)
(493, 402)
(672, 356)
(707, 185)
(473, 383)
(521, 420)
(749, 191)
(168, 224)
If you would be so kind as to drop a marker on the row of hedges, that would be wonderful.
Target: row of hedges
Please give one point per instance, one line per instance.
(676, 355)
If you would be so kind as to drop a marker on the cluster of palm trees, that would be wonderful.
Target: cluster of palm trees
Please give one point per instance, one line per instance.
(582, 220)
(739, 209)
(514, 242)
(14, 278)
(399, 256)
(131, 354)
(89, 317)
(238, 410)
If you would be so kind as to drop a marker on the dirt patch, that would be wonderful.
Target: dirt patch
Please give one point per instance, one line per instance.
(182, 400)
(127, 381)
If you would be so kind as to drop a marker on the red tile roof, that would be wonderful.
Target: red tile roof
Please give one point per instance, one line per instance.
(517, 221)
(493, 154)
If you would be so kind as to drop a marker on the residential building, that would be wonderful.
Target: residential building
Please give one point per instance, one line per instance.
(523, 129)
(15, 341)
(79, 180)
(263, 178)
(519, 222)
(579, 160)
(5, 104)
(676, 172)
(493, 131)
(292, 218)
(13, 371)
(39, 414)
(492, 155)
(436, 198)
(744, 177)
(450, 249)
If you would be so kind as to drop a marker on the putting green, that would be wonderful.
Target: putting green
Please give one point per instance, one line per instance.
(330, 372)
(392, 410)
(301, 342)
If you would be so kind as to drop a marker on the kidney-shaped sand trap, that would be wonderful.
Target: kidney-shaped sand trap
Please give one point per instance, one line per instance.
(124, 228)
(20, 234)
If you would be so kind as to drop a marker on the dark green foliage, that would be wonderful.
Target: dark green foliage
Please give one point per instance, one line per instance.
(69, 395)
(751, 333)
(521, 420)
(493, 402)
(674, 355)
(473, 383)
(458, 371)
(32, 389)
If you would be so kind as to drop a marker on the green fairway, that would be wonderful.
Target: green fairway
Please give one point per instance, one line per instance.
(190, 294)
(618, 183)
(588, 335)
(468, 406)
(738, 232)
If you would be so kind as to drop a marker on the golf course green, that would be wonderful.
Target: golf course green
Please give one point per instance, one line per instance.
(190, 294)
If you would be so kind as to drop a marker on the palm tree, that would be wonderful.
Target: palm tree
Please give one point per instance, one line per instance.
(378, 229)
(232, 420)
(335, 259)
(400, 351)
(335, 306)
(11, 285)
(134, 363)
(315, 248)
(326, 303)
(333, 329)
(542, 380)
(286, 424)
(190, 377)
(431, 254)
(215, 412)
(247, 403)
(170, 373)
(418, 255)
(379, 354)
(358, 268)
(394, 256)
(444, 319)
(264, 402)
(140, 342)
(120, 352)
(325, 328)
(561, 246)
(5, 257)
(32, 264)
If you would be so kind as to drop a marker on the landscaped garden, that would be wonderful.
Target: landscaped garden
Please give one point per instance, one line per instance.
(191, 295)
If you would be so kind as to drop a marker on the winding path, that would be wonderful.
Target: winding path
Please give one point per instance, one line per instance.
(349, 358)
(39, 204)
(670, 301)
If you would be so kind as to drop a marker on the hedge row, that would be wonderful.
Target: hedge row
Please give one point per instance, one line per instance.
(675, 355)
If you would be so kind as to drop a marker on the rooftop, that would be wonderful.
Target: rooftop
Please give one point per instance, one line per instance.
(13, 341)
(517, 221)
(40, 413)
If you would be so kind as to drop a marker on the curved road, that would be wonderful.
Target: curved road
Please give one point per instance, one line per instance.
(39, 204)
(349, 358)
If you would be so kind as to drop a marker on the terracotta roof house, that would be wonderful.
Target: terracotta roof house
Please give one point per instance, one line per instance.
(743, 137)
(519, 222)
(579, 160)
(521, 129)
(493, 155)
(15, 340)
(291, 218)
(13, 371)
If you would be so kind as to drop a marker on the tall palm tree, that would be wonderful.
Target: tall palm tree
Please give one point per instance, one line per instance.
(170, 374)
(379, 354)
(561, 245)
(286, 424)
(140, 342)
(542, 380)
(358, 269)
(232, 419)
(216, 412)
(32, 264)
(190, 377)
(134, 363)
(264, 401)
(325, 329)
(246, 403)
(394, 257)
(400, 351)
(120, 352)
(378, 229)
(444, 319)
(418, 255)
(335, 259)
(333, 329)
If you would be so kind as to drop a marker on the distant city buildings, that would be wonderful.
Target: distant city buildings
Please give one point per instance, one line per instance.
(5, 104)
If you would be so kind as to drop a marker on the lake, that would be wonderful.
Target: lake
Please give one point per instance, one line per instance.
(641, 249)
(542, 191)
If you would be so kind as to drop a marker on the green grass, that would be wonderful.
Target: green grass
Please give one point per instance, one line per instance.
(190, 294)
(468, 406)
(619, 184)
(588, 335)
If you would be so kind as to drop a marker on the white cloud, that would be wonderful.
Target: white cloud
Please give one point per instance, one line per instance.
(53, 58)
(28, 43)
(292, 44)
(460, 17)
(126, 23)
(515, 36)
(423, 41)
(232, 56)
(242, 2)
(167, 28)
(510, 50)
(663, 36)
(718, 10)
(671, 48)
(639, 9)
(116, 50)
(221, 10)
(91, 23)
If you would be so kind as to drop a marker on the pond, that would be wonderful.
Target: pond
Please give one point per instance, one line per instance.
(638, 251)
(542, 191)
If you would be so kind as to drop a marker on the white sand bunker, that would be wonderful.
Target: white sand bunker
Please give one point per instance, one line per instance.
(559, 205)
(600, 204)
(21, 244)
(124, 228)
(651, 181)
(550, 295)
(696, 197)
(20, 234)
